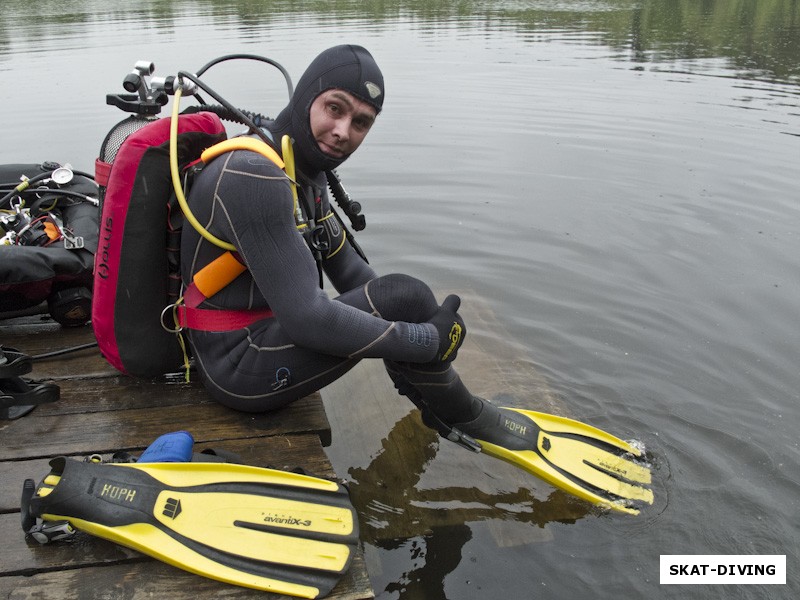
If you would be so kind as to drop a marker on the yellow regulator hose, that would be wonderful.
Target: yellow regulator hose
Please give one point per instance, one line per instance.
(176, 179)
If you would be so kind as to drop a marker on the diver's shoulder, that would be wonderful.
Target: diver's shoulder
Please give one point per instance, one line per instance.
(247, 160)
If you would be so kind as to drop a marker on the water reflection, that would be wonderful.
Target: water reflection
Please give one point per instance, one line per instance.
(433, 525)
(758, 40)
(396, 492)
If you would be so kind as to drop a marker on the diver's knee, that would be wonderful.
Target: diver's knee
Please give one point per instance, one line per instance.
(400, 297)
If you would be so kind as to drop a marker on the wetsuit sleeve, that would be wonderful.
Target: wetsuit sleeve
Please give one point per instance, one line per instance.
(254, 207)
(347, 270)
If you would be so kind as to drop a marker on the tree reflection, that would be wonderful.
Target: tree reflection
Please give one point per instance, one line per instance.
(759, 39)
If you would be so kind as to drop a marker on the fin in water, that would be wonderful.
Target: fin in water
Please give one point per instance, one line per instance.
(573, 456)
(259, 528)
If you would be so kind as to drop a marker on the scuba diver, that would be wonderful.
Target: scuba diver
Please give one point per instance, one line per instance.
(312, 339)
(307, 339)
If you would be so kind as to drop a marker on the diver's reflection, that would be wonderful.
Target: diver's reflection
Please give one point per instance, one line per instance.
(434, 523)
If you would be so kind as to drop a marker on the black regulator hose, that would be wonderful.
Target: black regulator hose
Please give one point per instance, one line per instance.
(264, 59)
(233, 110)
(227, 115)
(22, 187)
(241, 116)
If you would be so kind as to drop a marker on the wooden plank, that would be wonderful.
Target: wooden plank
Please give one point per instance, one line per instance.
(85, 364)
(52, 435)
(12, 474)
(120, 393)
(36, 336)
(148, 579)
(22, 556)
(42, 334)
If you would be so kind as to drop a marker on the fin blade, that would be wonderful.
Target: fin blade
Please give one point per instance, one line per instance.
(533, 463)
(618, 466)
(265, 529)
(582, 460)
(563, 425)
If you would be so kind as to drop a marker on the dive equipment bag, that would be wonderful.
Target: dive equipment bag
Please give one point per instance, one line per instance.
(48, 236)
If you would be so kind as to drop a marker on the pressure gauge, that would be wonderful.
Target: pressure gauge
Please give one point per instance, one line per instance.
(62, 175)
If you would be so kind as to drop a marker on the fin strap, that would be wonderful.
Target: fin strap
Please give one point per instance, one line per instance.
(14, 363)
(448, 432)
(18, 397)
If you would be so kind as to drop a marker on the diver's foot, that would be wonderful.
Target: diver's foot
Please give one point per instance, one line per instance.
(501, 427)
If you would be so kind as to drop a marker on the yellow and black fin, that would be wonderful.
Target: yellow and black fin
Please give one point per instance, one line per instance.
(260, 528)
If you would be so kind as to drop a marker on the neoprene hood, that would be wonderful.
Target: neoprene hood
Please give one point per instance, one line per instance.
(347, 67)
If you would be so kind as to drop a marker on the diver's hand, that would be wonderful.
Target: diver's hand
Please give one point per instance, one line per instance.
(450, 327)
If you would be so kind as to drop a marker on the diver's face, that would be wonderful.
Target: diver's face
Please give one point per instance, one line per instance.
(340, 122)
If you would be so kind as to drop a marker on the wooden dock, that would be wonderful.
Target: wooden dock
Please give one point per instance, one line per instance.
(101, 412)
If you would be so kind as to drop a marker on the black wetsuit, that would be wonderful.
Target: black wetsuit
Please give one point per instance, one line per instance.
(313, 339)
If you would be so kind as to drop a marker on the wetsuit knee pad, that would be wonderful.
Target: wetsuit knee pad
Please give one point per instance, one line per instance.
(399, 297)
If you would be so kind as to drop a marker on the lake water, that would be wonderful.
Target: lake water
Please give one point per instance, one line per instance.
(615, 181)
